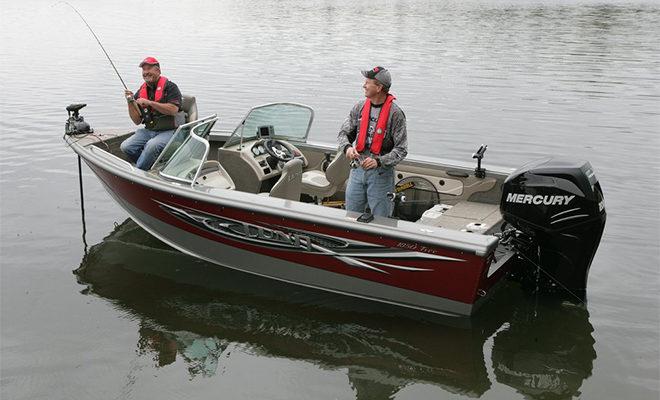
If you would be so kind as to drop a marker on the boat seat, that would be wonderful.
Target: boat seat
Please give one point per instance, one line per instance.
(189, 107)
(321, 184)
(288, 186)
(212, 174)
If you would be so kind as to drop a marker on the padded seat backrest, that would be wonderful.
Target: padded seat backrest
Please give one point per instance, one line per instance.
(338, 170)
(240, 170)
(189, 106)
(288, 186)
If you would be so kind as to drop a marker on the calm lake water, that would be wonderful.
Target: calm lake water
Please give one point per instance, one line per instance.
(138, 320)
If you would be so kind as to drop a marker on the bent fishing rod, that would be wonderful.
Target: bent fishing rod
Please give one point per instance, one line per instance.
(104, 52)
(97, 41)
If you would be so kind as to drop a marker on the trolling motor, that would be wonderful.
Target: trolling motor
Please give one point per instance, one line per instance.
(76, 124)
(480, 172)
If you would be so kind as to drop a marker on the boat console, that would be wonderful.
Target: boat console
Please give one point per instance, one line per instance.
(257, 161)
(260, 146)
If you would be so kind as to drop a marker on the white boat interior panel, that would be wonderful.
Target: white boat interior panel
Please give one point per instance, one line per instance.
(214, 175)
(469, 216)
(444, 185)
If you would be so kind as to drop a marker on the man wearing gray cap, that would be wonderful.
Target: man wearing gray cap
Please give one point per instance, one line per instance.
(374, 136)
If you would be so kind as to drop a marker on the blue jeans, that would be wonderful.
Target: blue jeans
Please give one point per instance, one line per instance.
(370, 187)
(144, 146)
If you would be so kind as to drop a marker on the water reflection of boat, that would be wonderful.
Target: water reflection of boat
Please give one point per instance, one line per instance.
(546, 352)
(194, 312)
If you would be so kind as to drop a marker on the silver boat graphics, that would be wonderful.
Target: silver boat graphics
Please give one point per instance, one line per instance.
(352, 252)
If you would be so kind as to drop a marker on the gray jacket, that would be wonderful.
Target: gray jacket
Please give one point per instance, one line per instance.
(395, 133)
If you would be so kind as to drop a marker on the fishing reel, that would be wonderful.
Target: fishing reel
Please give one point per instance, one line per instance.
(75, 124)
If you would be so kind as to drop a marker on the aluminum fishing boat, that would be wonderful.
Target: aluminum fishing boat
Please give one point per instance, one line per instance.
(264, 200)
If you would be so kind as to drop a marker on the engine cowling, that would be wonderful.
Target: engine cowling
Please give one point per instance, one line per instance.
(559, 204)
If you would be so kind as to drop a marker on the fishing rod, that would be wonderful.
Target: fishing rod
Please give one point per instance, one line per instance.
(104, 52)
(97, 41)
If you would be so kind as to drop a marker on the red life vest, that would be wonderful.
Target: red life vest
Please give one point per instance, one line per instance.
(158, 93)
(381, 125)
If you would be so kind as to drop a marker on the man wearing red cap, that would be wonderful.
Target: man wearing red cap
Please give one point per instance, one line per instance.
(157, 104)
(374, 136)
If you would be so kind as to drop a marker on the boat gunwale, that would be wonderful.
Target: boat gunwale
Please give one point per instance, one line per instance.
(427, 162)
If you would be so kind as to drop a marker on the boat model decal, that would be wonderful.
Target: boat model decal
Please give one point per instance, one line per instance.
(351, 252)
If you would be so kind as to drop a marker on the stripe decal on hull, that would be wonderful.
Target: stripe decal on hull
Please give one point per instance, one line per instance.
(351, 252)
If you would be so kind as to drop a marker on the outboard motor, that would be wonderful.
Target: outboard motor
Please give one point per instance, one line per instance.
(76, 124)
(559, 205)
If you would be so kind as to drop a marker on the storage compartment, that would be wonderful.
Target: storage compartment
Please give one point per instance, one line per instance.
(433, 214)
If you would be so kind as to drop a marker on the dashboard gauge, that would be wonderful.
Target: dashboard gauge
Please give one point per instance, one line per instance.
(255, 151)
(262, 150)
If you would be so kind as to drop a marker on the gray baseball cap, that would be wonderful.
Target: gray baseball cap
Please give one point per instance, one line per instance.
(380, 74)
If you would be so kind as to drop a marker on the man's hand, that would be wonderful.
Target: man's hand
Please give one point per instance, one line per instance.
(144, 102)
(351, 153)
(369, 163)
(133, 108)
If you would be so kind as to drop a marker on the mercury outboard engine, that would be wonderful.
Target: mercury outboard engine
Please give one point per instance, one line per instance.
(558, 205)
(76, 124)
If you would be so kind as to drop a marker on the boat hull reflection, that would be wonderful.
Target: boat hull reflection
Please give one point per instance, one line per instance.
(190, 310)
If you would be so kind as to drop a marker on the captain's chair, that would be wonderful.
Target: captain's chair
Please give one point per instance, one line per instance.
(288, 186)
(319, 184)
(189, 106)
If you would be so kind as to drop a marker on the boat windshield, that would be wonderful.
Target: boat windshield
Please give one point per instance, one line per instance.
(185, 153)
(286, 121)
(201, 129)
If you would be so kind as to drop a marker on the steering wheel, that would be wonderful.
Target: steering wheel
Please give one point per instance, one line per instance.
(278, 150)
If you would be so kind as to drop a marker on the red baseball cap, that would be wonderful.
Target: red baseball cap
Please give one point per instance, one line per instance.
(149, 61)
